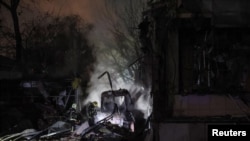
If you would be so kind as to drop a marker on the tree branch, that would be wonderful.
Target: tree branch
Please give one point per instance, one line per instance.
(5, 5)
(14, 3)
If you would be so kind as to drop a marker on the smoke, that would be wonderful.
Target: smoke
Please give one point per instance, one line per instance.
(104, 15)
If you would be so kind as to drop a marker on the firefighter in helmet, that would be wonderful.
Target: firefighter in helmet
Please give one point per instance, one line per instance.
(91, 111)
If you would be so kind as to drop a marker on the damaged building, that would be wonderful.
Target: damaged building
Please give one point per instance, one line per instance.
(199, 55)
(195, 64)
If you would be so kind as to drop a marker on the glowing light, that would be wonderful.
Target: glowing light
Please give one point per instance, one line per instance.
(116, 120)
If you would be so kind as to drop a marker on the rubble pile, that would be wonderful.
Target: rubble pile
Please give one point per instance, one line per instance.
(111, 120)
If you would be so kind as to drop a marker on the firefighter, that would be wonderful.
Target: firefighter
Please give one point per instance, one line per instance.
(91, 111)
(74, 117)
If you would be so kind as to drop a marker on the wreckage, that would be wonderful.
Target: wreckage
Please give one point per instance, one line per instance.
(113, 120)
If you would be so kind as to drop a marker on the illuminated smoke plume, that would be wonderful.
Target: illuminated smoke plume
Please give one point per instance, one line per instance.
(101, 37)
(95, 12)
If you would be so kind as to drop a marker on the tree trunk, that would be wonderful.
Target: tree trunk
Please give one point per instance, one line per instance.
(12, 7)
(17, 35)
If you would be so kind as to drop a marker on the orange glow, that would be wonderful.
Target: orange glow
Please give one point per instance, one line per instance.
(90, 10)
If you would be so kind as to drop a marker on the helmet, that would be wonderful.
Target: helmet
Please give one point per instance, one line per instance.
(95, 103)
(74, 106)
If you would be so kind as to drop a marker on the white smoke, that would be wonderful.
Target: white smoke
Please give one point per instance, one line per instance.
(101, 37)
(144, 104)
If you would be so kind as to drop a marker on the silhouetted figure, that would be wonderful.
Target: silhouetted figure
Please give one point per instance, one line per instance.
(91, 112)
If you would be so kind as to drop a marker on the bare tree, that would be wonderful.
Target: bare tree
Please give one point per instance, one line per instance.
(58, 43)
(12, 6)
(123, 24)
(7, 42)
